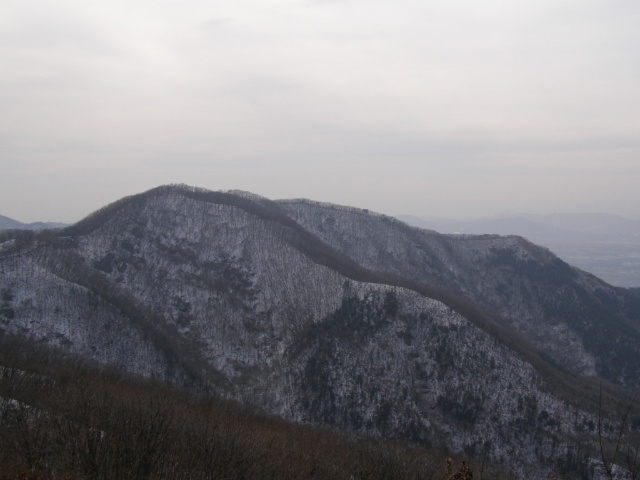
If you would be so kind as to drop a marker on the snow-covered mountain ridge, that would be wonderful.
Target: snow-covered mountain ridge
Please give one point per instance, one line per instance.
(332, 315)
(582, 323)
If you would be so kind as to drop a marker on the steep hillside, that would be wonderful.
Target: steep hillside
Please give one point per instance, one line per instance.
(62, 417)
(584, 325)
(325, 315)
(605, 245)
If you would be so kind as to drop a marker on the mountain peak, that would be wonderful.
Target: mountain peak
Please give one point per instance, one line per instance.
(333, 315)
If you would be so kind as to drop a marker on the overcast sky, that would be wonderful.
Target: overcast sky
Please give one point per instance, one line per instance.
(458, 109)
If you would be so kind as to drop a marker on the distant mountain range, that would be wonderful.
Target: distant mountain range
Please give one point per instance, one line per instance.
(7, 223)
(486, 345)
(605, 245)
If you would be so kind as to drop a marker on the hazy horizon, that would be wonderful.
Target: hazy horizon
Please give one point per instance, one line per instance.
(425, 216)
(453, 110)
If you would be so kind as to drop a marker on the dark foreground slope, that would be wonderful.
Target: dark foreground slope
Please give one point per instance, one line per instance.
(64, 418)
(236, 294)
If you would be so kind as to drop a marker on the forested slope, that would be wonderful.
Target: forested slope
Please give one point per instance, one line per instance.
(330, 316)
